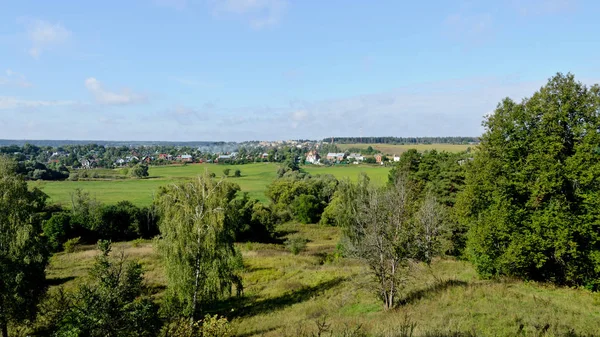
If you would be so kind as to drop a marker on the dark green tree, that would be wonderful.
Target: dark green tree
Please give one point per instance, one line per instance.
(23, 253)
(56, 230)
(226, 172)
(306, 208)
(532, 197)
(139, 171)
(237, 173)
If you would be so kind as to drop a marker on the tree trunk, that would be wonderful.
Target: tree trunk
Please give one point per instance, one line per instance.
(4, 329)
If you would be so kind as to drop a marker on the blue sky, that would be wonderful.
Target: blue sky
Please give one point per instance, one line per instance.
(279, 69)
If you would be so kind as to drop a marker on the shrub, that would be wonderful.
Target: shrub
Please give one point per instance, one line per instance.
(139, 171)
(306, 208)
(237, 173)
(296, 244)
(71, 245)
(56, 230)
(226, 172)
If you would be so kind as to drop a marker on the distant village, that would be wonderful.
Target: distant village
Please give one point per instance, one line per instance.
(56, 161)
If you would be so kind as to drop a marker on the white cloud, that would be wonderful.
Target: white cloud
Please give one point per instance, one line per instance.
(298, 117)
(14, 79)
(104, 96)
(258, 13)
(45, 36)
(10, 102)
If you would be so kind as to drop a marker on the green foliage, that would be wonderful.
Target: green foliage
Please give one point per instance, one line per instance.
(210, 326)
(56, 230)
(23, 252)
(139, 171)
(306, 208)
(388, 228)
(71, 245)
(92, 220)
(111, 305)
(296, 244)
(250, 219)
(532, 199)
(301, 196)
(226, 172)
(237, 173)
(196, 243)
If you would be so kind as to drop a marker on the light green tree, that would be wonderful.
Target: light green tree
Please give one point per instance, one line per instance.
(196, 244)
(23, 255)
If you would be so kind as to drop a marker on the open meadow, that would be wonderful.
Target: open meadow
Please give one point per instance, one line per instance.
(254, 180)
(287, 295)
(393, 149)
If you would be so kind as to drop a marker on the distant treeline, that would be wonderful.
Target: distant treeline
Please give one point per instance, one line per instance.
(403, 140)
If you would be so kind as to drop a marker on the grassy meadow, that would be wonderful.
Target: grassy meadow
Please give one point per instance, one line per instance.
(392, 149)
(287, 295)
(254, 180)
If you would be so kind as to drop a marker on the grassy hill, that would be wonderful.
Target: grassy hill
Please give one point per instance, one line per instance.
(289, 295)
(254, 180)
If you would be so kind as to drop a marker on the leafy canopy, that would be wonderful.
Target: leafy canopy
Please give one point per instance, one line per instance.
(532, 200)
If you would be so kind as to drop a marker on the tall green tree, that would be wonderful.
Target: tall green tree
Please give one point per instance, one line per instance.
(532, 196)
(23, 254)
(197, 244)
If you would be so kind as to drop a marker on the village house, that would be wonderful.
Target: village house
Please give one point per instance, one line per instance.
(336, 156)
(165, 156)
(379, 159)
(396, 158)
(186, 158)
(355, 157)
(313, 157)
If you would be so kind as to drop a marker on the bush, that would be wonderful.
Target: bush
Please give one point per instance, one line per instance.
(139, 171)
(296, 244)
(71, 245)
(306, 208)
(226, 172)
(237, 173)
(56, 230)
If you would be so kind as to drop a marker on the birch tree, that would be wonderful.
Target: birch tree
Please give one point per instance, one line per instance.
(196, 244)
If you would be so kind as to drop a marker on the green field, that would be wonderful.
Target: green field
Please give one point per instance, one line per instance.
(254, 180)
(285, 294)
(391, 149)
